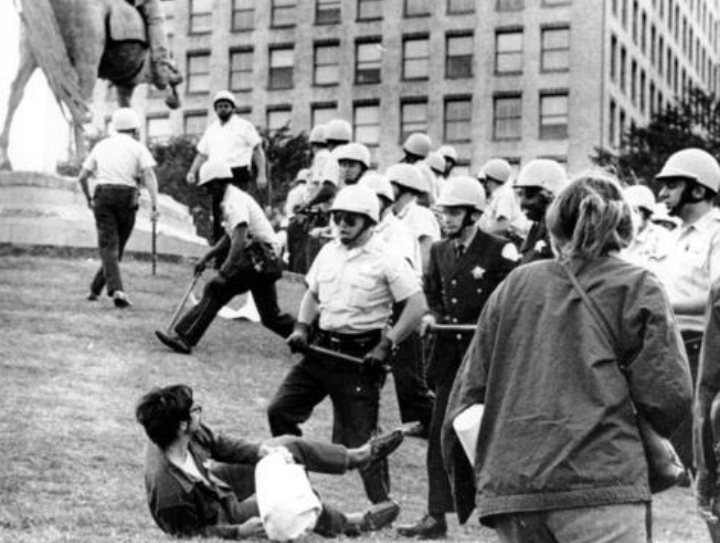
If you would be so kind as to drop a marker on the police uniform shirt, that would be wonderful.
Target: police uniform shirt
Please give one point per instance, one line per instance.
(503, 203)
(232, 142)
(646, 246)
(295, 198)
(396, 234)
(330, 170)
(421, 221)
(118, 160)
(239, 207)
(356, 287)
(691, 265)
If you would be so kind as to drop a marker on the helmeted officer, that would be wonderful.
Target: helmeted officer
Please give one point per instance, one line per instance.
(536, 186)
(464, 270)
(354, 160)
(352, 286)
(502, 215)
(650, 238)
(450, 154)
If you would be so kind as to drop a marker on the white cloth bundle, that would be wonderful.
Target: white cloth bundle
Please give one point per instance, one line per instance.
(467, 427)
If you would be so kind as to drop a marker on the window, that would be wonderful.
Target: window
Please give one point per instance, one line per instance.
(643, 83)
(460, 6)
(198, 72)
(413, 117)
(326, 64)
(613, 58)
(241, 70)
(415, 58)
(623, 69)
(157, 128)
(278, 117)
(243, 15)
(551, 3)
(510, 5)
(327, 12)
(416, 8)
(366, 123)
(633, 82)
(200, 16)
(194, 123)
(281, 68)
(508, 51)
(368, 57)
(369, 9)
(321, 113)
(554, 115)
(612, 127)
(459, 56)
(283, 13)
(458, 117)
(555, 49)
(507, 117)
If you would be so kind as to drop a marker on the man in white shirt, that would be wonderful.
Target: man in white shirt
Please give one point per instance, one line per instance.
(503, 216)
(252, 264)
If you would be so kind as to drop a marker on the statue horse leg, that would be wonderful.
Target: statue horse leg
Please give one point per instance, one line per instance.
(26, 68)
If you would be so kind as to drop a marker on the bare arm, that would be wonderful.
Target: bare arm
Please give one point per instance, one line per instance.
(194, 167)
(150, 181)
(83, 180)
(414, 308)
(237, 249)
(309, 309)
(258, 159)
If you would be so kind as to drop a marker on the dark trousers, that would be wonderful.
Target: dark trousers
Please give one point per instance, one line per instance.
(220, 290)
(114, 207)
(296, 242)
(414, 397)
(355, 397)
(314, 455)
(440, 498)
(682, 436)
(242, 179)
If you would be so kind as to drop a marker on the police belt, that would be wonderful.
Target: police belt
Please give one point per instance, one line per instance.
(349, 344)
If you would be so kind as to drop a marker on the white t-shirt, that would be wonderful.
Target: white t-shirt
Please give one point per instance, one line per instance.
(118, 160)
(240, 208)
(232, 142)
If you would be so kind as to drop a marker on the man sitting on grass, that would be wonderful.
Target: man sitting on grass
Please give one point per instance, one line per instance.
(191, 495)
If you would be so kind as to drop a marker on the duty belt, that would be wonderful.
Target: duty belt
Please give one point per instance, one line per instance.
(348, 343)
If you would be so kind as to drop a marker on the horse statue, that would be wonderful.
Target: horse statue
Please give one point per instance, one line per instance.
(75, 42)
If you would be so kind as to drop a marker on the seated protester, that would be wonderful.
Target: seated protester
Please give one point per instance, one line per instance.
(200, 483)
(252, 263)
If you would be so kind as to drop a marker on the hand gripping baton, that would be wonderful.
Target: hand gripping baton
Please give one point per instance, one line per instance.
(182, 303)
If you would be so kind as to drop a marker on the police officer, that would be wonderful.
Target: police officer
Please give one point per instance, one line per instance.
(117, 163)
(450, 155)
(251, 264)
(690, 180)
(650, 238)
(536, 186)
(503, 215)
(464, 270)
(296, 237)
(352, 286)
(416, 149)
(354, 160)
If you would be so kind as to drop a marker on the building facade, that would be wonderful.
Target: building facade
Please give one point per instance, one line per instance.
(517, 79)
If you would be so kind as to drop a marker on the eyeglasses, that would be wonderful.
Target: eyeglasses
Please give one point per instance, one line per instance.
(344, 217)
(196, 409)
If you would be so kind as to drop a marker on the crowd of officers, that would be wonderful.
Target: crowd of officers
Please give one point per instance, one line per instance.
(400, 264)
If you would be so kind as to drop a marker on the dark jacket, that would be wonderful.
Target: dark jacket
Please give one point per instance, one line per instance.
(558, 430)
(457, 290)
(537, 244)
(184, 506)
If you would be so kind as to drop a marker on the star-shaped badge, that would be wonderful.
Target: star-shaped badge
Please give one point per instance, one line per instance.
(540, 246)
(477, 272)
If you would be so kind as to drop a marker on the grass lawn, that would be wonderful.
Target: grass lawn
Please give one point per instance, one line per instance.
(72, 370)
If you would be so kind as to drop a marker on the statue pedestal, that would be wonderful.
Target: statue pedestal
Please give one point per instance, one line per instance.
(42, 209)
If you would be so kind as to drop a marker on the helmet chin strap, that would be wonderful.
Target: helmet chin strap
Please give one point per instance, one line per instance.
(685, 198)
(367, 224)
(467, 221)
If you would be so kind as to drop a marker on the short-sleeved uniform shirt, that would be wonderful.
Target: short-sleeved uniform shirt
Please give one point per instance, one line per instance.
(421, 221)
(232, 142)
(691, 265)
(396, 234)
(356, 288)
(118, 160)
(238, 207)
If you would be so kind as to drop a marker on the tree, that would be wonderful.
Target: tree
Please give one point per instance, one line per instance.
(694, 122)
(286, 154)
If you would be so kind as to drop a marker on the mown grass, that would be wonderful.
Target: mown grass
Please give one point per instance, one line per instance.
(71, 372)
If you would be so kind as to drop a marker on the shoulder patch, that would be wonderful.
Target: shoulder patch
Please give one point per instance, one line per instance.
(510, 252)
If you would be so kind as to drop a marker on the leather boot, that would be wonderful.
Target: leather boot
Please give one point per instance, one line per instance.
(428, 527)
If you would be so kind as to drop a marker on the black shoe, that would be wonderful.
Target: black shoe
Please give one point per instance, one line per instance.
(428, 527)
(379, 516)
(383, 445)
(174, 341)
(417, 430)
(92, 297)
(120, 299)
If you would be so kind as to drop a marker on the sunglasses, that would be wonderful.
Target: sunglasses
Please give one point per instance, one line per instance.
(343, 217)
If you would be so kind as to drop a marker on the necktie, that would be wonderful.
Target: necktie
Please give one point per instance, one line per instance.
(459, 250)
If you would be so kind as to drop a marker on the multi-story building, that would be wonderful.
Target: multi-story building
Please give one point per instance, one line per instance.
(512, 78)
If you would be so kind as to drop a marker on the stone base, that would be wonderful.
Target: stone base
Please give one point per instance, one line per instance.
(48, 210)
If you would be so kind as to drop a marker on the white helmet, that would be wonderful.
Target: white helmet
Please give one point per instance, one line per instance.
(695, 164)
(354, 151)
(496, 169)
(214, 169)
(357, 199)
(436, 162)
(449, 152)
(464, 191)
(418, 144)
(302, 175)
(338, 130)
(379, 184)
(317, 134)
(544, 173)
(125, 119)
(640, 196)
(408, 176)
(224, 95)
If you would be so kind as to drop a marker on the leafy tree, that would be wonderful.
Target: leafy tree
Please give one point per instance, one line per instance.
(286, 154)
(694, 122)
